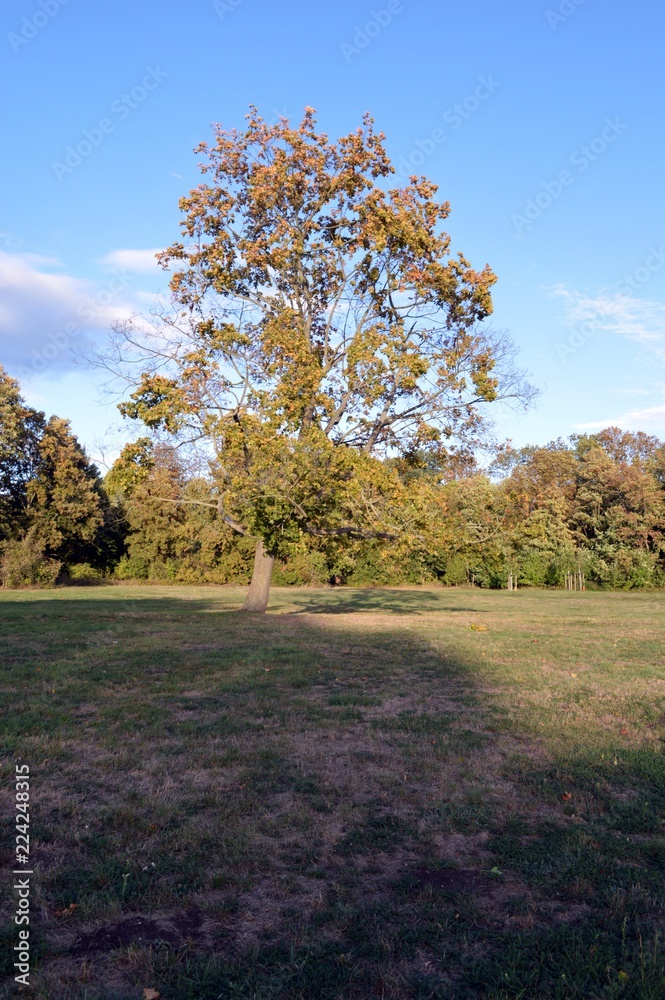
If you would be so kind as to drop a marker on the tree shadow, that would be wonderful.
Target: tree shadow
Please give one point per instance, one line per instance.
(350, 601)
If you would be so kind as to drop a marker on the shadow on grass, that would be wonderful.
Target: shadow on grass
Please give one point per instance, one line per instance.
(351, 601)
(313, 773)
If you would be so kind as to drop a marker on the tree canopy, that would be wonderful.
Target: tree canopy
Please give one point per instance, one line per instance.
(321, 323)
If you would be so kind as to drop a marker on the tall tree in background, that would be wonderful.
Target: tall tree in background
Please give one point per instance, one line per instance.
(172, 531)
(69, 512)
(20, 430)
(53, 508)
(619, 503)
(321, 324)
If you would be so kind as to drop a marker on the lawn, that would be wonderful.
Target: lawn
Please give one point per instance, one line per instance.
(415, 793)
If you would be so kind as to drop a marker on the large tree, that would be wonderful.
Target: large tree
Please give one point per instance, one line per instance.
(321, 325)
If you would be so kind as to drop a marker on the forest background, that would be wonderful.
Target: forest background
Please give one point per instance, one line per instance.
(594, 503)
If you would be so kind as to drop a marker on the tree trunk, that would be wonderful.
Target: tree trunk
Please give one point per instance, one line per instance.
(259, 588)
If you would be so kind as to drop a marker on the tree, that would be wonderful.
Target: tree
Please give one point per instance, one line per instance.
(540, 477)
(598, 498)
(169, 535)
(321, 325)
(53, 508)
(69, 511)
(20, 430)
(619, 502)
(622, 446)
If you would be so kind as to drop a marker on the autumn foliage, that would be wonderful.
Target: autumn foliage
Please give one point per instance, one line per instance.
(321, 324)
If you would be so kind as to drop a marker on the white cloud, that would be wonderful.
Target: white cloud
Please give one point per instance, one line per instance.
(617, 313)
(133, 260)
(46, 314)
(639, 320)
(651, 418)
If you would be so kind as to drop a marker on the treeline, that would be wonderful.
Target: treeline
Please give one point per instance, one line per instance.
(595, 503)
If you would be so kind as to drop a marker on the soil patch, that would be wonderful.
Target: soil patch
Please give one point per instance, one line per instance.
(139, 930)
(463, 880)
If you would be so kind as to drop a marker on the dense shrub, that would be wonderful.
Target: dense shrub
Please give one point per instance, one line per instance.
(302, 569)
(82, 573)
(24, 564)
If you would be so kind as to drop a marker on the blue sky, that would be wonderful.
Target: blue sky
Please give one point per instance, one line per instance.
(542, 123)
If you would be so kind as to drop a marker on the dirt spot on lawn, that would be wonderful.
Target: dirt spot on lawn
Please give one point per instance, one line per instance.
(144, 931)
(462, 880)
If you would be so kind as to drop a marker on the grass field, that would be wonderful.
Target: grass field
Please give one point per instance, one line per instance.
(417, 793)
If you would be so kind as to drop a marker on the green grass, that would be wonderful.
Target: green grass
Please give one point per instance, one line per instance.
(263, 792)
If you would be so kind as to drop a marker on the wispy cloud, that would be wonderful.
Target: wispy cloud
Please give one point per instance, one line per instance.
(136, 261)
(615, 312)
(647, 419)
(639, 320)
